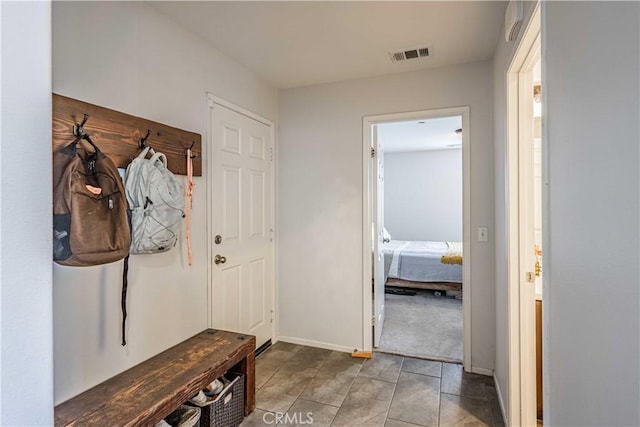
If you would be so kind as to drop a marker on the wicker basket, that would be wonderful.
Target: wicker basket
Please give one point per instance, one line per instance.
(227, 410)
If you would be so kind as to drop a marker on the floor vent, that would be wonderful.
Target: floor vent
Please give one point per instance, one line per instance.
(264, 347)
(413, 53)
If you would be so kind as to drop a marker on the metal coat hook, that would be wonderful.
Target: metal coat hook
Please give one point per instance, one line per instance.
(80, 134)
(78, 129)
(143, 141)
(193, 156)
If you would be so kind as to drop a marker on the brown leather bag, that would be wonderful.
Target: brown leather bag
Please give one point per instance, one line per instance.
(90, 220)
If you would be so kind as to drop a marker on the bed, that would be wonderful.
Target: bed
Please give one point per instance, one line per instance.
(423, 264)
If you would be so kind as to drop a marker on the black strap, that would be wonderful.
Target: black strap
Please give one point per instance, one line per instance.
(124, 299)
(70, 149)
(95, 147)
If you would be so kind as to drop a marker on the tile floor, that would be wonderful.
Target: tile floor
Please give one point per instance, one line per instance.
(392, 391)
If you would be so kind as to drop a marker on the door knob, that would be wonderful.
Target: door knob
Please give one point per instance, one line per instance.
(219, 259)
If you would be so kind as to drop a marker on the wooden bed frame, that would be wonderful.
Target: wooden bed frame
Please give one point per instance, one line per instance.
(437, 286)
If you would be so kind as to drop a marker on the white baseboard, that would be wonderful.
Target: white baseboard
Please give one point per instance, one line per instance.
(482, 371)
(319, 344)
(500, 401)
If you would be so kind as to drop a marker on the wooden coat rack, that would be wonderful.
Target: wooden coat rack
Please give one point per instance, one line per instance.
(118, 134)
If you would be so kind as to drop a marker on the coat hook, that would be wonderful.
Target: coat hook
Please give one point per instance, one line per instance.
(193, 156)
(143, 140)
(78, 129)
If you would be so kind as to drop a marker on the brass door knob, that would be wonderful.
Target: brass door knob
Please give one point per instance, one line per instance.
(219, 259)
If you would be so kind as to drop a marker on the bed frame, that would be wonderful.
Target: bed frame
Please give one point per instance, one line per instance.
(436, 286)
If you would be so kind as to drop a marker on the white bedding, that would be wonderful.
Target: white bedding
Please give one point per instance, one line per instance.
(420, 261)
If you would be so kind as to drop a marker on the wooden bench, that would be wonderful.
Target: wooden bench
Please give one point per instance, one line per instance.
(148, 392)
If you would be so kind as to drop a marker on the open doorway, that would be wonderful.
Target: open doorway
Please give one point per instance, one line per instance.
(421, 200)
(527, 194)
(417, 234)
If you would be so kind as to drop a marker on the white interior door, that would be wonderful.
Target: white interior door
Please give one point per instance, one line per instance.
(378, 236)
(242, 263)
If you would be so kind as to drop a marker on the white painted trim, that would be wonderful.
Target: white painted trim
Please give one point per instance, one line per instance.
(546, 229)
(211, 100)
(515, 360)
(274, 224)
(482, 371)
(230, 105)
(500, 399)
(467, 290)
(367, 309)
(207, 170)
(367, 274)
(527, 238)
(318, 344)
(513, 302)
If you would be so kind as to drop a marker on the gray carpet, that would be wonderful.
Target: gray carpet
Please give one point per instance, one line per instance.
(424, 326)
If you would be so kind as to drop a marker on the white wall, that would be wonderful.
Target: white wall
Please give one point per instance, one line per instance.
(130, 57)
(26, 355)
(423, 195)
(320, 196)
(502, 58)
(591, 72)
(591, 259)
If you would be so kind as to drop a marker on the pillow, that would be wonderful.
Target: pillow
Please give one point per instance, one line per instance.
(386, 237)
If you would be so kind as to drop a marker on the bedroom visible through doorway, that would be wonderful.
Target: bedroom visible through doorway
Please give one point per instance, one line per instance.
(375, 273)
(421, 194)
(422, 237)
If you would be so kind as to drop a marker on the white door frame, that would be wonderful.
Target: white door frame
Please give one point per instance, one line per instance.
(367, 186)
(210, 101)
(522, 387)
(377, 235)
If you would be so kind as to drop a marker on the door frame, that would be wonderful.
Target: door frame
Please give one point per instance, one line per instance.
(367, 218)
(522, 369)
(377, 234)
(211, 100)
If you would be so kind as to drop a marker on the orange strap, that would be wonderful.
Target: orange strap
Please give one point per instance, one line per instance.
(190, 186)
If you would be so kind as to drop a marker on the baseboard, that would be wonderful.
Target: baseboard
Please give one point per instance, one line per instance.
(418, 356)
(482, 371)
(319, 344)
(500, 401)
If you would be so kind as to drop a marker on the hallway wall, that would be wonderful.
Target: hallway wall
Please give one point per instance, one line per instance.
(591, 259)
(130, 57)
(26, 351)
(592, 295)
(321, 191)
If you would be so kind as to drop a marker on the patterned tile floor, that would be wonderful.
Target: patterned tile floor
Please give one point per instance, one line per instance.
(298, 385)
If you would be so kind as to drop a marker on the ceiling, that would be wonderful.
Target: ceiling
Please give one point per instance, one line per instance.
(420, 135)
(300, 43)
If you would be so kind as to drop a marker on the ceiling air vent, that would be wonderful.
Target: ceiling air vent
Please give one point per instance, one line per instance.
(398, 56)
(412, 53)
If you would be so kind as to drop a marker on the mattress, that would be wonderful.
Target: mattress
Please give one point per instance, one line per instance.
(419, 261)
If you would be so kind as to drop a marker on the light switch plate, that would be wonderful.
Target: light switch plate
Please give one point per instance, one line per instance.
(483, 234)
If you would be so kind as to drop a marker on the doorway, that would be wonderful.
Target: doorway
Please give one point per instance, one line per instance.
(380, 271)
(527, 194)
(421, 193)
(241, 215)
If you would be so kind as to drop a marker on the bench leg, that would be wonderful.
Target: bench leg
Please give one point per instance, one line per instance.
(248, 368)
